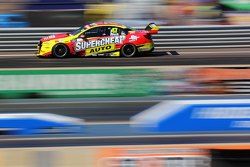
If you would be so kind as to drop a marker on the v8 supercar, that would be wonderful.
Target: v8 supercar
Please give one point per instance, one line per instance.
(99, 39)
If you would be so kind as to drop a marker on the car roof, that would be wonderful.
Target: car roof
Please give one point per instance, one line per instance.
(99, 24)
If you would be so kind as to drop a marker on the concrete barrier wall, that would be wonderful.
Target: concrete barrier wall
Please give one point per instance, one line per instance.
(169, 37)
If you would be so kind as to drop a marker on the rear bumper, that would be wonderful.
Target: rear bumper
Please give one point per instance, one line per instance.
(148, 47)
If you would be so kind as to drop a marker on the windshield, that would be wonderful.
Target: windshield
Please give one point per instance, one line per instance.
(76, 31)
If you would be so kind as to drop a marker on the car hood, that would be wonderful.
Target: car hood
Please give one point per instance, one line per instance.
(54, 36)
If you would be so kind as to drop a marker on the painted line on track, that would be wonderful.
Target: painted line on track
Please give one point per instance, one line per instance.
(127, 67)
(168, 53)
(17, 55)
(211, 52)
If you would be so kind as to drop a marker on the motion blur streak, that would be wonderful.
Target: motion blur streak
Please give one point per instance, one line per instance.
(114, 90)
(133, 12)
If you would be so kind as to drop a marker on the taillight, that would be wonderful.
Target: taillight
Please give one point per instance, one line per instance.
(148, 36)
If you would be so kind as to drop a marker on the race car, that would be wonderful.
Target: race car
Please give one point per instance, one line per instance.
(99, 39)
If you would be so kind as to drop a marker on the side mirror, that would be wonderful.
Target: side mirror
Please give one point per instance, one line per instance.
(82, 36)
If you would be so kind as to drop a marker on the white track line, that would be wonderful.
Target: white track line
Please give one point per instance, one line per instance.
(180, 52)
(174, 67)
(17, 55)
(217, 52)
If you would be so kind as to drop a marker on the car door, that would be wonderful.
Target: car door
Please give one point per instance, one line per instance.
(97, 41)
(117, 36)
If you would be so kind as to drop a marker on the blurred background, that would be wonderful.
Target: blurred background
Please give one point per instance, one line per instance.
(57, 13)
(114, 112)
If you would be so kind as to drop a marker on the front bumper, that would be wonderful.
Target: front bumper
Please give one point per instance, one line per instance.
(42, 51)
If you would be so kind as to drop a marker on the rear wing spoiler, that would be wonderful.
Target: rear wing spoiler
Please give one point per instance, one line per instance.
(152, 28)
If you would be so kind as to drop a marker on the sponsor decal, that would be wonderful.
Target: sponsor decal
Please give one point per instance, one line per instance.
(83, 45)
(58, 41)
(92, 24)
(101, 49)
(133, 38)
(79, 40)
(49, 37)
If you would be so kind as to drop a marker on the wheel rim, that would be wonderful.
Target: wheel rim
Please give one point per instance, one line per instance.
(128, 50)
(60, 51)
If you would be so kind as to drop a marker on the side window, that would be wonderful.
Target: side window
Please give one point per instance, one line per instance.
(125, 31)
(96, 32)
(91, 33)
(116, 31)
(103, 31)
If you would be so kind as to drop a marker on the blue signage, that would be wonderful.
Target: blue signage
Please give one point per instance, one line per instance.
(224, 116)
(39, 123)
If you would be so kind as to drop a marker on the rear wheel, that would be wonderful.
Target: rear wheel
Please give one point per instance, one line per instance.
(128, 50)
(60, 51)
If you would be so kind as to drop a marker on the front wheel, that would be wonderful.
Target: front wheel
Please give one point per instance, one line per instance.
(128, 50)
(60, 50)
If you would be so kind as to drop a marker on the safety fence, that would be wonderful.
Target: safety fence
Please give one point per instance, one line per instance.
(172, 37)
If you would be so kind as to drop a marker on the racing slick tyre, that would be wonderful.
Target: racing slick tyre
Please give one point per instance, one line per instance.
(128, 50)
(60, 50)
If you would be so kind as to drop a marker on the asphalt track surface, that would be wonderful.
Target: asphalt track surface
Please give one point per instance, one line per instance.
(122, 140)
(222, 56)
(90, 110)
